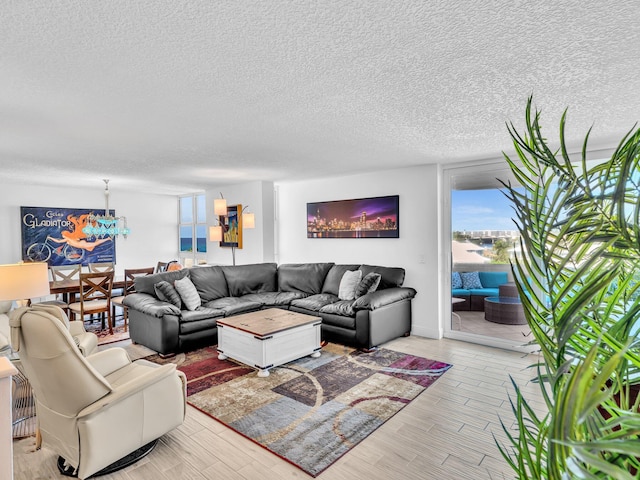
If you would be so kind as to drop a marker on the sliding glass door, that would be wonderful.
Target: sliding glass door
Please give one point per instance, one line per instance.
(482, 240)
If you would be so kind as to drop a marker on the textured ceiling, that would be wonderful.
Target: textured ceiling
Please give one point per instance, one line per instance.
(175, 96)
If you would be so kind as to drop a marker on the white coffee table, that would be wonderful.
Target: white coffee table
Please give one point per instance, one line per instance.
(268, 338)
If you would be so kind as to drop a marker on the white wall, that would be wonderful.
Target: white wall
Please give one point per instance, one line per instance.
(151, 218)
(416, 250)
(258, 242)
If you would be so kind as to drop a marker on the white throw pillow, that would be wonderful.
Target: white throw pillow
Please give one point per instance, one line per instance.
(348, 284)
(188, 293)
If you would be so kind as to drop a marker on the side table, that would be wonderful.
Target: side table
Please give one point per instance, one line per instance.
(24, 406)
(455, 300)
(7, 370)
(505, 310)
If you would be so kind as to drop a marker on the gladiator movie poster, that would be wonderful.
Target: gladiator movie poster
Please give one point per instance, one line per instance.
(55, 236)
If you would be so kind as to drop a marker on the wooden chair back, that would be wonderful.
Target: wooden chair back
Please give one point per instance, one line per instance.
(64, 273)
(101, 267)
(95, 287)
(161, 267)
(130, 275)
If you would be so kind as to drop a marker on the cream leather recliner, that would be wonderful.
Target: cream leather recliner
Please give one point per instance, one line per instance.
(87, 342)
(96, 410)
(5, 307)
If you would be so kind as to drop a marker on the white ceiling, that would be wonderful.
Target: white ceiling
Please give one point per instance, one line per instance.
(177, 96)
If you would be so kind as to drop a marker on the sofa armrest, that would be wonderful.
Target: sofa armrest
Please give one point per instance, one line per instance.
(145, 303)
(380, 298)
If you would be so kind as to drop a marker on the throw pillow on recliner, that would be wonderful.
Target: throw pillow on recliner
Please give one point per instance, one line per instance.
(470, 280)
(348, 284)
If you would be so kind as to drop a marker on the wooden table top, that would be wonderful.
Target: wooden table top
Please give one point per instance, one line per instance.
(73, 286)
(269, 321)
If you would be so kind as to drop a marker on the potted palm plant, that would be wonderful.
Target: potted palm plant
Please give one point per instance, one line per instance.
(579, 280)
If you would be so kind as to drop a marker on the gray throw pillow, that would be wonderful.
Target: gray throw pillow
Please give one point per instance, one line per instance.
(167, 293)
(188, 293)
(348, 284)
(368, 284)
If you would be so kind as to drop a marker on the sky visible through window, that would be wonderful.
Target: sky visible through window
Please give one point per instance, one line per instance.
(487, 209)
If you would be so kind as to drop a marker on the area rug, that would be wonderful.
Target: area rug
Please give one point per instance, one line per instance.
(104, 337)
(311, 411)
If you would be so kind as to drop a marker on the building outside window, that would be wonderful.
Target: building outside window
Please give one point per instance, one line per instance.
(192, 228)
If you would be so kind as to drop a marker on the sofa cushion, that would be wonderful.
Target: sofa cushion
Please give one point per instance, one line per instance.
(368, 284)
(233, 305)
(188, 293)
(150, 305)
(460, 292)
(256, 278)
(274, 299)
(315, 302)
(390, 276)
(145, 283)
(210, 282)
(485, 292)
(343, 308)
(334, 276)
(200, 313)
(167, 293)
(470, 280)
(303, 277)
(493, 279)
(456, 280)
(348, 284)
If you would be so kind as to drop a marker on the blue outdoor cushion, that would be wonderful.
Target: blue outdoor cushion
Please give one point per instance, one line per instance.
(493, 279)
(470, 280)
(456, 280)
(460, 292)
(485, 292)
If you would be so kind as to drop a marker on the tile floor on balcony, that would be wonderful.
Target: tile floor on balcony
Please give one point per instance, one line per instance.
(474, 322)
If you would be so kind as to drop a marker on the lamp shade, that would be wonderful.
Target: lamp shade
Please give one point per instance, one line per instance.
(248, 220)
(23, 281)
(220, 206)
(215, 234)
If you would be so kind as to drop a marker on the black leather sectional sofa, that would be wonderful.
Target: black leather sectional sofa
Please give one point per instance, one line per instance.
(312, 288)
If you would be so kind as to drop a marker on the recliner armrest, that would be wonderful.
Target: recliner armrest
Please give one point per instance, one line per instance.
(109, 360)
(131, 387)
(380, 298)
(150, 305)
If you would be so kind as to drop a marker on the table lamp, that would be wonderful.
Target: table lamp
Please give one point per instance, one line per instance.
(24, 281)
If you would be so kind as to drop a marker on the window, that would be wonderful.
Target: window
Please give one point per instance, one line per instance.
(193, 225)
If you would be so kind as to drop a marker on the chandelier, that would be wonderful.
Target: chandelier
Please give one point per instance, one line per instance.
(103, 226)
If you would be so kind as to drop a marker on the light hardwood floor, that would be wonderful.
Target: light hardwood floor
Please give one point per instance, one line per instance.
(446, 433)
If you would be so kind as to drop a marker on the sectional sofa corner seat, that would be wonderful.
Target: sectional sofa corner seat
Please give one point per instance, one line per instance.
(474, 297)
(310, 288)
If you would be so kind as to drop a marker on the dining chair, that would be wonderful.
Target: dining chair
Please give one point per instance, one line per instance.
(95, 297)
(161, 267)
(61, 274)
(101, 267)
(130, 275)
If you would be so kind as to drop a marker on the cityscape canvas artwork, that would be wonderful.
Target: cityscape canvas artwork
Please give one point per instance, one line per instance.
(376, 217)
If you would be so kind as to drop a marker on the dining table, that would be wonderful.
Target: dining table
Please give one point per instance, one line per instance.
(71, 288)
